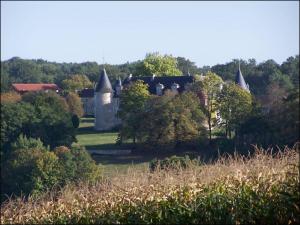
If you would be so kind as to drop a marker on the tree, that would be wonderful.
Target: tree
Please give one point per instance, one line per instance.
(76, 82)
(185, 66)
(75, 104)
(284, 119)
(171, 121)
(154, 63)
(14, 116)
(132, 102)
(211, 86)
(39, 115)
(291, 68)
(234, 105)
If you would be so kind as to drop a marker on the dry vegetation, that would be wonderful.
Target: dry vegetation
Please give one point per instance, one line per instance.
(261, 189)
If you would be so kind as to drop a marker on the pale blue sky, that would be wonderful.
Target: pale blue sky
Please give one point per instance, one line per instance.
(205, 32)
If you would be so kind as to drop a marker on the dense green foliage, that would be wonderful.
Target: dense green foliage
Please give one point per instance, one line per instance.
(210, 85)
(38, 115)
(132, 103)
(154, 63)
(171, 121)
(235, 105)
(30, 168)
(76, 82)
(274, 124)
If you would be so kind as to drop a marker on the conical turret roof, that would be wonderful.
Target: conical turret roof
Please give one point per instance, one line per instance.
(239, 79)
(103, 84)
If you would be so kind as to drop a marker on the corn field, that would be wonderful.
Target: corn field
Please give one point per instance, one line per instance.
(259, 189)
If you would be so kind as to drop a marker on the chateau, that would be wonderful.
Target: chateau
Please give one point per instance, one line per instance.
(102, 102)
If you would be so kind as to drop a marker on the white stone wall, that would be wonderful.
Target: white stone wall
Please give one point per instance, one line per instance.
(104, 111)
(88, 106)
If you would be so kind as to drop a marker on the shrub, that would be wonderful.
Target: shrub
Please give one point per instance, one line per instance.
(87, 169)
(30, 168)
(75, 121)
(30, 171)
(77, 165)
(173, 162)
(26, 143)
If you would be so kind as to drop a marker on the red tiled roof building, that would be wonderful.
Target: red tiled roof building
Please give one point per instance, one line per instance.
(23, 88)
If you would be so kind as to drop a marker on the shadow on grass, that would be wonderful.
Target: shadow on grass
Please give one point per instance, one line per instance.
(87, 120)
(108, 146)
(143, 157)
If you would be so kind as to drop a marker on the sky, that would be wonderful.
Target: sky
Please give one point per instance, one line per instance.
(207, 33)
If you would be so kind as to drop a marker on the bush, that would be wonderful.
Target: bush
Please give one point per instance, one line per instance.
(30, 168)
(26, 143)
(87, 169)
(77, 165)
(30, 171)
(173, 162)
(75, 121)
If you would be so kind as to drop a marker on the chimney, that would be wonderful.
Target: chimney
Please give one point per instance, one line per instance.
(159, 89)
(153, 76)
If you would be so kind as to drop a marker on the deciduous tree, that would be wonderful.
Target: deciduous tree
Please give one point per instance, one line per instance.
(154, 63)
(235, 106)
(76, 82)
(132, 102)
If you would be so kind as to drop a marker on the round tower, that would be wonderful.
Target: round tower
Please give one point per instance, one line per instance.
(104, 116)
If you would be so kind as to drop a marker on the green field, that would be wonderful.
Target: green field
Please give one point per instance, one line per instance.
(114, 164)
(92, 139)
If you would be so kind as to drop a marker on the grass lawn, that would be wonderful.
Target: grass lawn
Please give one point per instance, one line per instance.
(95, 140)
(115, 164)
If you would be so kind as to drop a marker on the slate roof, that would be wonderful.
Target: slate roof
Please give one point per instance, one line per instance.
(239, 79)
(86, 93)
(103, 84)
(22, 87)
(167, 81)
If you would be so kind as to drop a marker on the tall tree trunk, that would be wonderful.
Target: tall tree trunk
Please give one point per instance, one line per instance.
(209, 120)
(209, 127)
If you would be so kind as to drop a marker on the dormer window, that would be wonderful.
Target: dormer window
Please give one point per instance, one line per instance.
(159, 89)
(175, 87)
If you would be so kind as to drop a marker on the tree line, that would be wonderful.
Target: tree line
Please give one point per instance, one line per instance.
(259, 76)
